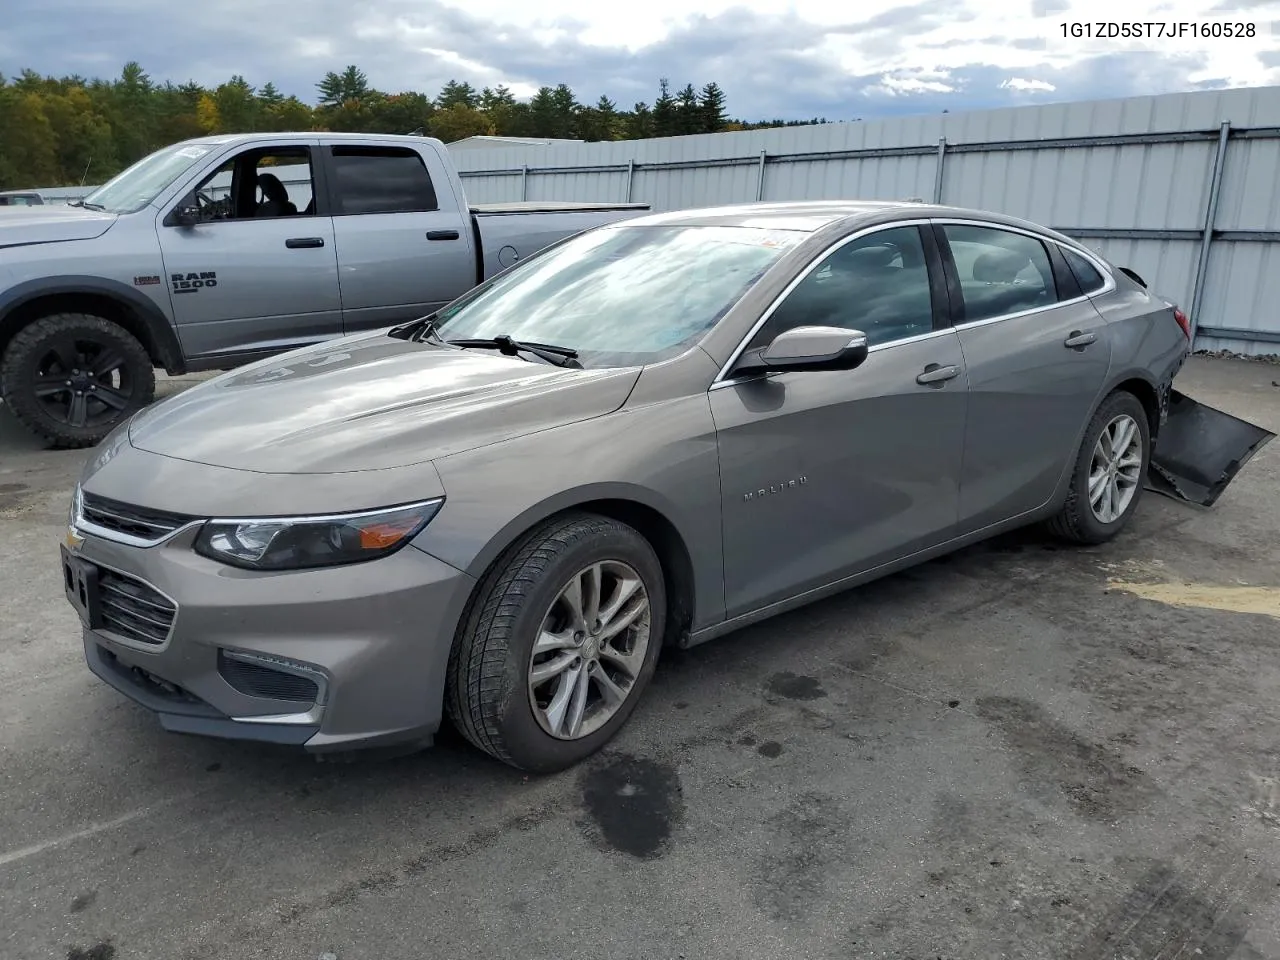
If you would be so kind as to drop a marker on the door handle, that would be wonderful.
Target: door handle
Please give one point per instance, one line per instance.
(442, 234)
(293, 243)
(935, 374)
(1078, 339)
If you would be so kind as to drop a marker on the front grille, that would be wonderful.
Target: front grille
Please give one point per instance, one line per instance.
(259, 680)
(140, 522)
(133, 609)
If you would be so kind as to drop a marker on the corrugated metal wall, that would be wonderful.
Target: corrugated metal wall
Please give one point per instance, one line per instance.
(1133, 182)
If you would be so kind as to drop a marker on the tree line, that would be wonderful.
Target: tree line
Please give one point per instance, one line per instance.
(59, 131)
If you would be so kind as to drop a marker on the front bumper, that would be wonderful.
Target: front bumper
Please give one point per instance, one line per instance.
(330, 659)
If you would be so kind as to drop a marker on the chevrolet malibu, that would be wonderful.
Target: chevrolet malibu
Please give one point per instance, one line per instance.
(651, 433)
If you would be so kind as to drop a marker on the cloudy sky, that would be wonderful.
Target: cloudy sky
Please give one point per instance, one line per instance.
(774, 58)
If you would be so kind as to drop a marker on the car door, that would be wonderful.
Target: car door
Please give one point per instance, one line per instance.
(404, 244)
(1037, 354)
(825, 474)
(248, 274)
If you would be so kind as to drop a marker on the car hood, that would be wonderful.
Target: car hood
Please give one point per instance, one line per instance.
(370, 403)
(51, 223)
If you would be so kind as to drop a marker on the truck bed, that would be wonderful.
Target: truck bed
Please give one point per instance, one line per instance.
(551, 206)
(506, 233)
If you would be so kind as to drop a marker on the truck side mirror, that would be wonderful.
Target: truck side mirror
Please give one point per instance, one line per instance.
(185, 215)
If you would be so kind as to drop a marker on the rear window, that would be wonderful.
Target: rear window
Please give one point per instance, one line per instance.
(1087, 275)
(380, 180)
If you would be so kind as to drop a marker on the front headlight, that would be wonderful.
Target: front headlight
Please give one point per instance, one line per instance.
(296, 543)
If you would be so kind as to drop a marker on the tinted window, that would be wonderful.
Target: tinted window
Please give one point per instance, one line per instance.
(1086, 273)
(1000, 271)
(878, 284)
(380, 180)
(621, 295)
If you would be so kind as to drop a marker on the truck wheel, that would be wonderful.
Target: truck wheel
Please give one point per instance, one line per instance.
(1109, 473)
(71, 378)
(558, 644)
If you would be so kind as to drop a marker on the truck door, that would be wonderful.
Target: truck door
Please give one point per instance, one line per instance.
(404, 245)
(249, 256)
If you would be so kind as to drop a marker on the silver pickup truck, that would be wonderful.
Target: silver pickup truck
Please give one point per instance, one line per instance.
(217, 251)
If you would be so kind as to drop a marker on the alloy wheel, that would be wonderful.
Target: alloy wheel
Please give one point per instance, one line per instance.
(590, 649)
(1116, 468)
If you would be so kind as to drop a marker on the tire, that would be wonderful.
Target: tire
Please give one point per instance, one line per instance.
(46, 351)
(1079, 520)
(489, 697)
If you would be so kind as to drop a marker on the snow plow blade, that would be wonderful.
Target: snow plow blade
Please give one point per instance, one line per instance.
(1200, 450)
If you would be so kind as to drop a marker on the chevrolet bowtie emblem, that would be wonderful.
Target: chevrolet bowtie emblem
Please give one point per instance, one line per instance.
(73, 539)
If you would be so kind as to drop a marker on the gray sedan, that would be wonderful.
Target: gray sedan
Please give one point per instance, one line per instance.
(651, 433)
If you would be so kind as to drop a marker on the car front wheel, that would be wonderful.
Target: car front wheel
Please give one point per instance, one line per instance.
(559, 643)
(1109, 472)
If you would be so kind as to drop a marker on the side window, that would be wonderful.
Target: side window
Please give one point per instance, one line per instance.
(1087, 275)
(380, 180)
(256, 184)
(878, 284)
(1001, 272)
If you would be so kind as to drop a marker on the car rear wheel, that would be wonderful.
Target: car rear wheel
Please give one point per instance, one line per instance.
(1110, 470)
(71, 378)
(558, 644)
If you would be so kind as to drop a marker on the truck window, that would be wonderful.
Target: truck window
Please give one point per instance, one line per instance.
(257, 184)
(379, 180)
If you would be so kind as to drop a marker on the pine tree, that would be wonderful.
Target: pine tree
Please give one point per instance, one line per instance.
(688, 116)
(712, 107)
(457, 94)
(542, 113)
(336, 89)
(606, 118)
(664, 111)
(566, 112)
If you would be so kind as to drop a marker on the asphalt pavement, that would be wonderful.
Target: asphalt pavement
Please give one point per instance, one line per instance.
(1022, 750)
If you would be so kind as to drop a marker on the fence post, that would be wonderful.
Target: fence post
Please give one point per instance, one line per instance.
(631, 177)
(524, 181)
(1210, 216)
(937, 172)
(760, 178)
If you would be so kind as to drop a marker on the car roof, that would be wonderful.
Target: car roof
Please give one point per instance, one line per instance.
(812, 216)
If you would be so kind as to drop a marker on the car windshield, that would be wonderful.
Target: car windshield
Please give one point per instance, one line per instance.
(136, 186)
(621, 295)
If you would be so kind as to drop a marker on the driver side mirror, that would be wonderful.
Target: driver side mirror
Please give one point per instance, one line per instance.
(807, 348)
(184, 215)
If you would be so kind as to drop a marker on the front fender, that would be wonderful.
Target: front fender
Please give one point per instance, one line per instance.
(158, 332)
(662, 457)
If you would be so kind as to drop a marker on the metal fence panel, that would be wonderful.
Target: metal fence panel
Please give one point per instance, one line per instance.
(1134, 181)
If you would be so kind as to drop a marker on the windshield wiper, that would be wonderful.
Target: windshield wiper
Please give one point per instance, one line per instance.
(560, 356)
(87, 206)
(418, 330)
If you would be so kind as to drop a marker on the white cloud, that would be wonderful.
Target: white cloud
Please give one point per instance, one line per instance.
(774, 58)
(1018, 83)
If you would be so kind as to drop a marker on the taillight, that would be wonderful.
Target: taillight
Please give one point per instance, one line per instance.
(1183, 322)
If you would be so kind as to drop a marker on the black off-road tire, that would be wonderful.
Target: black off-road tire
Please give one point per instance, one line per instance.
(20, 375)
(487, 694)
(1076, 522)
